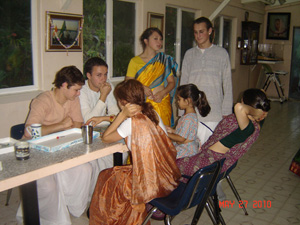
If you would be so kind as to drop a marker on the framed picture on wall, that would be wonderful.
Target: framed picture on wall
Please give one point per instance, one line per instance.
(156, 20)
(278, 26)
(64, 32)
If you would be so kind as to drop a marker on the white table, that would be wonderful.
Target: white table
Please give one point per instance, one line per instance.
(41, 164)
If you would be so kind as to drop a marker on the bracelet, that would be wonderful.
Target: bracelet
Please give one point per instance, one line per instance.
(112, 118)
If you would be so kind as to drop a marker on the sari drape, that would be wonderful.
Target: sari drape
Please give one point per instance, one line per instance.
(154, 74)
(121, 192)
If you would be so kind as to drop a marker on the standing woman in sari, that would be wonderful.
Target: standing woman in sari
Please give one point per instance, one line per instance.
(157, 72)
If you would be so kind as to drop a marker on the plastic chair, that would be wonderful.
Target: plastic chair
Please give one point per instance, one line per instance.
(16, 132)
(186, 195)
(273, 76)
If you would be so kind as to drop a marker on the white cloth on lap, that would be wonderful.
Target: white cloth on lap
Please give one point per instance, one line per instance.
(61, 193)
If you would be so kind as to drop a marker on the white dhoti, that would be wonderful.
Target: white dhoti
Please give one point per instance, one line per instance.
(63, 193)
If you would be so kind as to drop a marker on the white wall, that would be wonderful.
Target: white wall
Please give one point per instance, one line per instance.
(294, 9)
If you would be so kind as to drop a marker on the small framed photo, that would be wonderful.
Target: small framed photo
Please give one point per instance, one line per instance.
(156, 20)
(64, 32)
(278, 26)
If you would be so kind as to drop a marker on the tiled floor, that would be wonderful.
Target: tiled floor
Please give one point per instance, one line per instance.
(262, 176)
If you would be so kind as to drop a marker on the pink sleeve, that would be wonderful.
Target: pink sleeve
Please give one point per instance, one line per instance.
(75, 111)
(37, 111)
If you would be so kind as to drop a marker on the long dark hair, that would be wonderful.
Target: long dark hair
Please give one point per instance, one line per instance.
(132, 91)
(198, 97)
(147, 33)
(257, 99)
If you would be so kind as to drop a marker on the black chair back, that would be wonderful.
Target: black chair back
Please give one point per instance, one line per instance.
(17, 131)
(186, 195)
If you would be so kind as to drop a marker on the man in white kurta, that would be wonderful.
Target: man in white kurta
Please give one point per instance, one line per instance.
(97, 99)
(208, 66)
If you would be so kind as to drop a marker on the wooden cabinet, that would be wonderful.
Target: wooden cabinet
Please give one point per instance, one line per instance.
(250, 36)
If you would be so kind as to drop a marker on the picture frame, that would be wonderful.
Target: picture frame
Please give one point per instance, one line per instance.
(156, 20)
(64, 31)
(278, 26)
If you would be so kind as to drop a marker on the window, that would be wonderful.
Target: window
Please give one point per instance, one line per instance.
(123, 36)
(179, 32)
(109, 33)
(94, 34)
(16, 38)
(224, 31)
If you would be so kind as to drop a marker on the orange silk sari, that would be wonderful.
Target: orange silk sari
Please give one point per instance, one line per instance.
(122, 191)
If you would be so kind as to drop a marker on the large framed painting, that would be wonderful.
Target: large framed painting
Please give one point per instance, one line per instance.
(278, 26)
(64, 32)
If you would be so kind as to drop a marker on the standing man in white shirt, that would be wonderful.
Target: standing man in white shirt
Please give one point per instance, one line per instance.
(208, 66)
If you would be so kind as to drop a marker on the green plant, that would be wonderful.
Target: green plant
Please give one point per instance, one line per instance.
(15, 43)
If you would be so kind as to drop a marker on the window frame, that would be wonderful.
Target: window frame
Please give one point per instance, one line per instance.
(232, 38)
(178, 30)
(109, 35)
(34, 48)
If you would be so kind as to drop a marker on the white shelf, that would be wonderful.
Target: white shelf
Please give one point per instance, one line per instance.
(269, 61)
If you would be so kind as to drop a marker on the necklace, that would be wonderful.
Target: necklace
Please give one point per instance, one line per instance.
(58, 39)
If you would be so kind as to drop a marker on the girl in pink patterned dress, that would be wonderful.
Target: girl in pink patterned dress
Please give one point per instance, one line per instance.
(184, 137)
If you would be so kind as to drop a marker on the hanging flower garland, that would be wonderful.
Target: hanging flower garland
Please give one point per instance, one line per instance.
(58, 39)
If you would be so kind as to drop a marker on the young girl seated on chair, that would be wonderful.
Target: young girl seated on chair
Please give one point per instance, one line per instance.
(184, 137)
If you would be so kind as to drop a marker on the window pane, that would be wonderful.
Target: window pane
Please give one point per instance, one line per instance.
(15, 44)
(94, 29)
(217, 31)
(170, 34)
(124, 36)
(226, 35)
(187, 33)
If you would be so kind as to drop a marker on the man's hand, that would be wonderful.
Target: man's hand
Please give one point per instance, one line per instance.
(104, 91)
(67, 123)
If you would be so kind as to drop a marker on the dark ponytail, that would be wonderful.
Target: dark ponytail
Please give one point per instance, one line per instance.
(198, 97)
(203, 106)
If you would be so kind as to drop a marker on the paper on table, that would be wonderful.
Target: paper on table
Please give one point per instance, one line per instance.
(57, 141)
(7, 145)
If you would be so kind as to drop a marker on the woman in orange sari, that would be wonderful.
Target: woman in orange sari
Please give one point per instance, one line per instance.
(121, 192)
(157, 72)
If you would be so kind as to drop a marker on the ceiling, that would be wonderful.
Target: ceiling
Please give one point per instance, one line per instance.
(270, 2)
